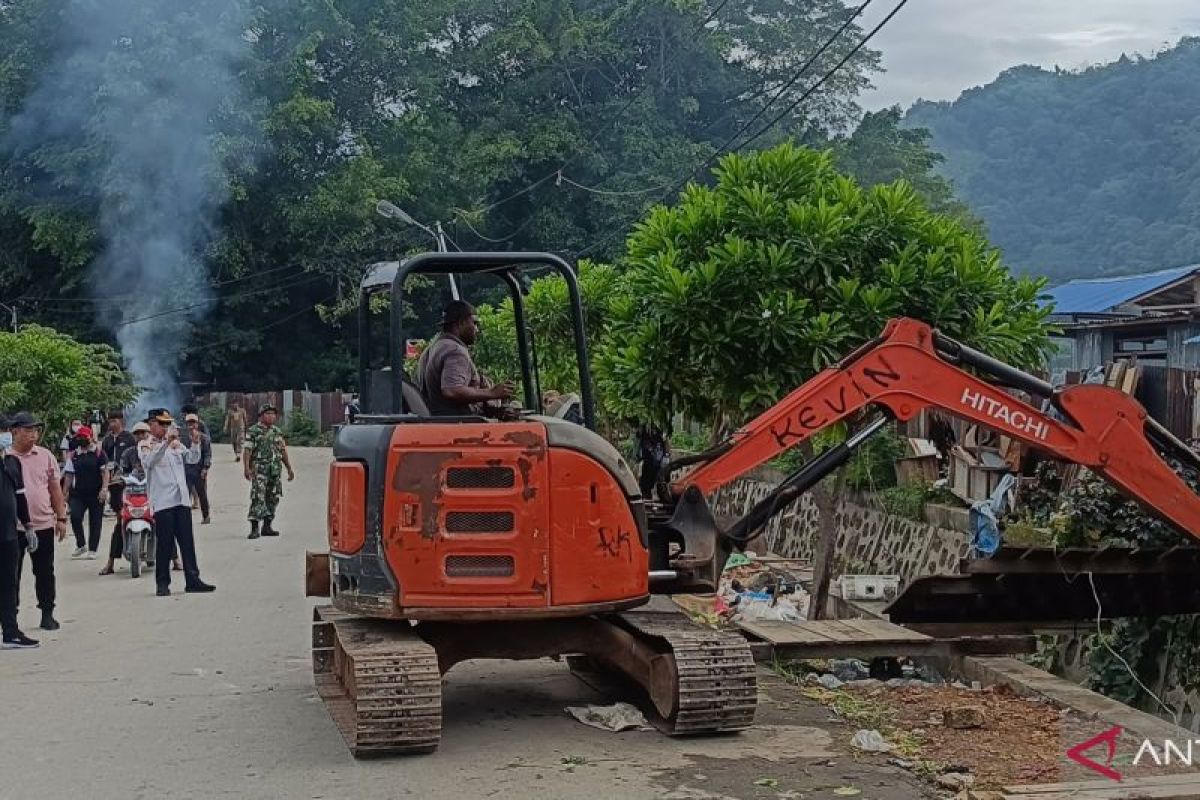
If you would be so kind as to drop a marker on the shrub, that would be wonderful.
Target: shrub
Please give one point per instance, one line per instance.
(302, 430)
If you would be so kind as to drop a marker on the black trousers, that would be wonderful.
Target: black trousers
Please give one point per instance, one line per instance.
(174, 526)
(199, 485)
(116, 496)
(88, 504)
(10, 563)
(43, 570)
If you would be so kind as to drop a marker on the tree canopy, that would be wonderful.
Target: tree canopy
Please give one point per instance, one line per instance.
(743, 290)
(543, 126)
(1080, 174)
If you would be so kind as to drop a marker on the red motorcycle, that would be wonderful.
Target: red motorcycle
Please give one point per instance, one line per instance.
(137, 525)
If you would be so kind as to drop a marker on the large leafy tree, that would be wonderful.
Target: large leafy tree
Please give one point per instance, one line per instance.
(445, 108)
(744, 289)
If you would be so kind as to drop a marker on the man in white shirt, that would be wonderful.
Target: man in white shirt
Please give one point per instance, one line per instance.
(163, 457)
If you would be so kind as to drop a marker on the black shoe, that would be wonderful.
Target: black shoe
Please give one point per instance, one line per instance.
(199, 586)
(164, 591)
(267, 529)
(18, 641)
(253, 529)
(49, 623)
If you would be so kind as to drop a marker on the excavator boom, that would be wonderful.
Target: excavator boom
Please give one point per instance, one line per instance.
(910, 367)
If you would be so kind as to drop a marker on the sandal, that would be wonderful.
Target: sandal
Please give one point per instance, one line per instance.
(107, 571)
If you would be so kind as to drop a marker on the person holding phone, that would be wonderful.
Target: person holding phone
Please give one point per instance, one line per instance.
(164, 457)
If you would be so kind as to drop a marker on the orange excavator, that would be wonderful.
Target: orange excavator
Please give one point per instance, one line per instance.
(455, 538)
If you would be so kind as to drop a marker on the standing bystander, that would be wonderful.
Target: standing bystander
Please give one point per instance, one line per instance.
(47, 510)
(266, 455)
(163, 457)
(235, 426)
(197, 474)
(14, 513)
(84, 476)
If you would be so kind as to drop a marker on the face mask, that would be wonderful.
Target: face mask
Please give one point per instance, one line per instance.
(6, 441)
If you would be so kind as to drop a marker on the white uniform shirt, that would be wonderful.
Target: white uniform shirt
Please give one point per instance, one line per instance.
(165, 476)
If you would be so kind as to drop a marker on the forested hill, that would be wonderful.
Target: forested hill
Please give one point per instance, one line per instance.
(1079, 174)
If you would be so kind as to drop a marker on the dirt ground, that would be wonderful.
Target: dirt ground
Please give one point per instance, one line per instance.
(1021, 740)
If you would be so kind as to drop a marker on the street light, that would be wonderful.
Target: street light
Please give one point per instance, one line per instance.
(393, 211)
(13, 312)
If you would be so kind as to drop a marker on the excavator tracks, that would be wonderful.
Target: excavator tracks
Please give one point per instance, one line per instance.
(717, 686)
(380, 682)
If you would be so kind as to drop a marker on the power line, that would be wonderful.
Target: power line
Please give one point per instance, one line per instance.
(126, 297)
(808, 63)
(791, 107)
(190, 348)
(202, 304)
(596, 134)
(862, 43)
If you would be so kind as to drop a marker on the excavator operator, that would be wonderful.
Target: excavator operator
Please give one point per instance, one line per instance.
(446, 375)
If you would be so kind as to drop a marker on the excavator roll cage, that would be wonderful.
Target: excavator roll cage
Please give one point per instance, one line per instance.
(911, 367)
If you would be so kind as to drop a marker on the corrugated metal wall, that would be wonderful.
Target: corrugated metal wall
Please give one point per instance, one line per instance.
(327, 408)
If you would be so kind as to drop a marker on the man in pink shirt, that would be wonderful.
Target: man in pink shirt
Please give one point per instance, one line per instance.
(47, 510)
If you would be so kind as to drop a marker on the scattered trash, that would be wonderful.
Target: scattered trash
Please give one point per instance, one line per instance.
(902, 763)
(770, 783)
(753, 606)
(615, 718)
(847, 791)
(737, 560)
(849, 669)
(963, 717)
(830, 682)
(871, 741)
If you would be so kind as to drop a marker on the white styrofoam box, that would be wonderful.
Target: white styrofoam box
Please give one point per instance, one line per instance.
(869, 587)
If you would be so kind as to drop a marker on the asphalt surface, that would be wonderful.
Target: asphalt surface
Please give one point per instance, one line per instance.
(212, 696)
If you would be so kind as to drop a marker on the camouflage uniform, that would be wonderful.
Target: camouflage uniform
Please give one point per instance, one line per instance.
(264, 445)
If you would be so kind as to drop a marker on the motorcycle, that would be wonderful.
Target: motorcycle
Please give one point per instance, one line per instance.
(137, 525)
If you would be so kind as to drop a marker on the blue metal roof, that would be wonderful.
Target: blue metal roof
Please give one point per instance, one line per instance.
(1098, 295)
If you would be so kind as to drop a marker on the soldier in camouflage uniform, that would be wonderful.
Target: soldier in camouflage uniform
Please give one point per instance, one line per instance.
(265, 456)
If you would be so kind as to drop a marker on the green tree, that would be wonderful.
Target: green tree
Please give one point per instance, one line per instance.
(58, 378)
(548, 316)
(744, 290)
(881, 150)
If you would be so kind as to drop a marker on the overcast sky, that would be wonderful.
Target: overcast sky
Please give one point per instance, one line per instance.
(934, 49)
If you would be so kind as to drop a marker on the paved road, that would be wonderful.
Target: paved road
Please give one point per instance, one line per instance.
(211, 696)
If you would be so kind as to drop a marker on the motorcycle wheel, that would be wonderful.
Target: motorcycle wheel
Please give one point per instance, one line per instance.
(133, 541)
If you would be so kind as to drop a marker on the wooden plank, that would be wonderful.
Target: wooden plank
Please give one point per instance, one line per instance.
(1130, 382)
(787, 632)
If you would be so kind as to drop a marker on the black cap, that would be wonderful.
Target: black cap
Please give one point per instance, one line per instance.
(160, 415)
(267, 408)
(23, 419)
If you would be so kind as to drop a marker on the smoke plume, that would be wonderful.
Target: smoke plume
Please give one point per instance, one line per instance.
(144, 97)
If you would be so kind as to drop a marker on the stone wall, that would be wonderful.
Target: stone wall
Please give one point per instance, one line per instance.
(869, 540)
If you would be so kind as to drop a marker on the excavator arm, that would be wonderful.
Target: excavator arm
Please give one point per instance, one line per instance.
(911, 367)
